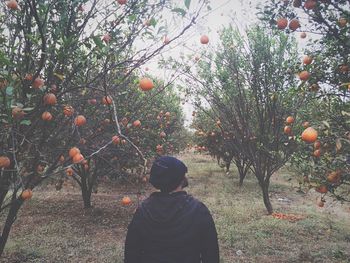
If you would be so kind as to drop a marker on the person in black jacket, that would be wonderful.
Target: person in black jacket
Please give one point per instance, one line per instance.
(171, 226)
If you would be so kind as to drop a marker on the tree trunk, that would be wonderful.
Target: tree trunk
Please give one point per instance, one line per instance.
(11, 217)
(85, 192)
(266, 197)
(242, 171)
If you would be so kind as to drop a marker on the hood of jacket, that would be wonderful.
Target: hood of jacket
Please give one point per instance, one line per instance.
(167, 208)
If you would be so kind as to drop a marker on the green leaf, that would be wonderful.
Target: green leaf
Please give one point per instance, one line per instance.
(26, 122)
(153, 22)
(326, 124)
(9, 91)
(132, 18)
(180, 11)
(187, 3)
(28, 109)
(98, 41)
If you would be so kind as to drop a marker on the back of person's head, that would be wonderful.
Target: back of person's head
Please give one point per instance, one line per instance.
(167, 173)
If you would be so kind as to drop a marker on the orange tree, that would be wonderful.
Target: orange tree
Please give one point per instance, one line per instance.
(245, 82)
(152, 122)
(211, 135)
(51, 54)
(325, 163)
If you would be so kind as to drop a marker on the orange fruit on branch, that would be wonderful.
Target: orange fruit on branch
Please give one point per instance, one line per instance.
(73, 151)
(282, 23)
(107, 100)
(46, 116)
(204, 39)
(78, 158)
(297, 3)
(305, 124)
(68, 110)
(4, 162)
(317, 153)
(166, 40)
(290, 120)
(294, 24)
(310, 4)
(317, 145)
(162, 134)
(50, 99)
(136, 124)
(38, 83)
(17, 113)
(80, 120)
(146, 84)
(115, 139)
(307, 60)
(287, 130)
(304, 75)
(309, 135)
(12, 4)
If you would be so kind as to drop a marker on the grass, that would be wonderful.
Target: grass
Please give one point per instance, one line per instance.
(53, 227)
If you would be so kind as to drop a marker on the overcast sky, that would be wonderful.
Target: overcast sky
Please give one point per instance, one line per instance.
(222, 13)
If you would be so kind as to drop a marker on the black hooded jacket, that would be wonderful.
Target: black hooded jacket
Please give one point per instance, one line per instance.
(171, 228)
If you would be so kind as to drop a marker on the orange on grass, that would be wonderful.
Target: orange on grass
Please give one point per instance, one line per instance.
(126, 200)
(69, 171)
(322, 189)
(27, 194)
(320, 203)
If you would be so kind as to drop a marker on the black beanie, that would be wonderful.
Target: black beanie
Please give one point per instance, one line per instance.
(167, 173)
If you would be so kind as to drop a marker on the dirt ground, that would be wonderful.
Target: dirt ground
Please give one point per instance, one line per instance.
(54, 227)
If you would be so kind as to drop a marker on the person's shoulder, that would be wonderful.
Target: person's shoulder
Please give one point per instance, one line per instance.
(201, 207)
